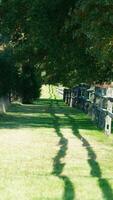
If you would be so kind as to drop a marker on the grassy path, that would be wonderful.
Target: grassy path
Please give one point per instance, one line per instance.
(49, 151)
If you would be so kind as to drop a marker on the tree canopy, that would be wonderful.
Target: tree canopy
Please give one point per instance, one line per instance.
(71, 41)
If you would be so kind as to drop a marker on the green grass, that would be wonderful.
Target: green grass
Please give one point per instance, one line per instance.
(49, 151)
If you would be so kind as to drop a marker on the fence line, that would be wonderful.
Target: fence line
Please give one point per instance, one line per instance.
(95, 101)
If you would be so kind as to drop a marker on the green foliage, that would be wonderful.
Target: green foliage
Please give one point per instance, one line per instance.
(8, 73)
(30, 83)
(72, 40)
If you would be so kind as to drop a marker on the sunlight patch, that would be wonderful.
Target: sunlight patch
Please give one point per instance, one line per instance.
(60, 115)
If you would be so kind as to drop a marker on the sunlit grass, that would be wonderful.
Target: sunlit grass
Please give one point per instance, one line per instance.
(49, 151)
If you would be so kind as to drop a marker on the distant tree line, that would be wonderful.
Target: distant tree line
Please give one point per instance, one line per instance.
(67, 41)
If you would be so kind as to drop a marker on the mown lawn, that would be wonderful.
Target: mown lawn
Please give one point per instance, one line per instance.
(49, 151)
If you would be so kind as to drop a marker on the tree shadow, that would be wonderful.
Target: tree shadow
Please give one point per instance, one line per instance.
(58, 165)
(38, 116)
(46, 111)
(93, 163)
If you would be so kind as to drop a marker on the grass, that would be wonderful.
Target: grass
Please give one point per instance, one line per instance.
(49, 151)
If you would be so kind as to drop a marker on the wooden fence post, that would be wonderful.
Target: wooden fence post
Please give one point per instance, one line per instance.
(66, 99)
(71, 99)
(64, 95)
(108, 120)
(67, 96)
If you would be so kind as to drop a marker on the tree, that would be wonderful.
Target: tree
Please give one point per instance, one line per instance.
(70, 40)
(8, 73)
(30, 83)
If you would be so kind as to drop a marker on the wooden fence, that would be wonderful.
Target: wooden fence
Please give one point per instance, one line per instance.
(95, 101)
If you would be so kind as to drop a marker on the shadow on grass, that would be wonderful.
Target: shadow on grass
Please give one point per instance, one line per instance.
(93, 163)
(58, 165)
(38, 116)
(54, 114)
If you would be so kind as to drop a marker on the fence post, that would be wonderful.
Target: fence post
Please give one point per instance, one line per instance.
(71, 99)
(68, 96)
(101, 118)
(66, 100)
(64, 95)
(108, 119)
(90, 100)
